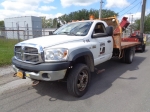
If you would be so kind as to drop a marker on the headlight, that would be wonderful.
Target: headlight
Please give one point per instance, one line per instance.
(56, 54)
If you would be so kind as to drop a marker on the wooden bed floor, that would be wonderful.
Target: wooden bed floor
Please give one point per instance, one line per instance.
(129, 44)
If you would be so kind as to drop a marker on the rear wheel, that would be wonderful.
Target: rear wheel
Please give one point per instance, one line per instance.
(78, 80)
(143, 48)
(129, 55)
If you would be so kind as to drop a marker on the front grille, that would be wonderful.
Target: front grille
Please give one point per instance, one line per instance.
(18, 48)
(31, 58)
(27, 54)
(18, 55)
(30, 50)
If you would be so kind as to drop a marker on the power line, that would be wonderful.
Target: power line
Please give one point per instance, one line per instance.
(137, 9)
(127, 6)
(130, 9)
(139, 6)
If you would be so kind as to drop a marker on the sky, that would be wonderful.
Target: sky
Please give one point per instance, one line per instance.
(56, 8)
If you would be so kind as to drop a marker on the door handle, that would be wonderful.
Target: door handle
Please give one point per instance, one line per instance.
(109, 41)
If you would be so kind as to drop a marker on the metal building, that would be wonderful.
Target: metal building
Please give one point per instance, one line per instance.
(25, 27)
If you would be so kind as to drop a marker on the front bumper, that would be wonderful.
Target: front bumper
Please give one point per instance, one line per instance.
(42, 66)
(43, 71)
(43, 75)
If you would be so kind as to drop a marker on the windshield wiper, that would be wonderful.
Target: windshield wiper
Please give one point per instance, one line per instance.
(65, 32)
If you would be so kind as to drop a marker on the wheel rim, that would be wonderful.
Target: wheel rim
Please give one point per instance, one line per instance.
(82, 80)
(131, 56)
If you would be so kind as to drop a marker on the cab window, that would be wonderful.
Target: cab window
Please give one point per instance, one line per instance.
(99, 28)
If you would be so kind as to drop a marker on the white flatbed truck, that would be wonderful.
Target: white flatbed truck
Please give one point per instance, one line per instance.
(72, 53)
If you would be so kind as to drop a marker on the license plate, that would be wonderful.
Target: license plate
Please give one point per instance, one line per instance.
(19, 74)
(27, 75)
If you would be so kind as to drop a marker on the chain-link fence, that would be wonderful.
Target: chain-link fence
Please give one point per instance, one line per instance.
(23, 33)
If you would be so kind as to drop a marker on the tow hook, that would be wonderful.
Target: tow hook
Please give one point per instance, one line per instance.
(35, 82)
(15, 75)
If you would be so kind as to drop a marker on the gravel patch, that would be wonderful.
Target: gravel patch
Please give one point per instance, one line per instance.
(15, 84)
(8, 82)
(6, 70)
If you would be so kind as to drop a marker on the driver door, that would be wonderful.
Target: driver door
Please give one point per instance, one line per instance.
(104, 44)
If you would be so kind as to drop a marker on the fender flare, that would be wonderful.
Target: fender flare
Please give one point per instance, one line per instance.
(83, 52)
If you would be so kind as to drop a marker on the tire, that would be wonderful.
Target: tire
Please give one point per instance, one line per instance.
(143, 48)
(129, 55)
(78, 80)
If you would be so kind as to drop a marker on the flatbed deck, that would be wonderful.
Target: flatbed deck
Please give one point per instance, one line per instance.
(129, 44)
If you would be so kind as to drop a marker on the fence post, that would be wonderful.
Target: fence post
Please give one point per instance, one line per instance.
(24, 34)
(27, 32)
(18, 32)
(13, 33)
(6, 34)
(44, 31)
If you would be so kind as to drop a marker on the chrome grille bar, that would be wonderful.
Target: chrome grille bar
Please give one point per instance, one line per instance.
(29, 53)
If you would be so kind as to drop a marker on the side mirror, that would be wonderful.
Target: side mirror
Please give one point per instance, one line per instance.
(98, 35)
(109, 30)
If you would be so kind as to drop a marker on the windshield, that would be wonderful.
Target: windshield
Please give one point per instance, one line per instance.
(77, 29)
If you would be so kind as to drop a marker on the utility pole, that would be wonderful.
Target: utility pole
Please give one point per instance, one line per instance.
(142, 19)
(100, 11)
(131, 23)
(132, 19)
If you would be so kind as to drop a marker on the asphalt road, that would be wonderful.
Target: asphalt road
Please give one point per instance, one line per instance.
(121, 88)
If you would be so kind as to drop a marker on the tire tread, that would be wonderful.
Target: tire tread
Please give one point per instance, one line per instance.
(72, 78)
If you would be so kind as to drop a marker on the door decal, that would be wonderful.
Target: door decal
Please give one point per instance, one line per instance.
(102, 48)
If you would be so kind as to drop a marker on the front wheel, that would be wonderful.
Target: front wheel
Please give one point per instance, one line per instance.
(78, 80)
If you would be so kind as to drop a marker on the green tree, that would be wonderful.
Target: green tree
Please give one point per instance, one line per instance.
(55, 23)
(108, 13)
(84, 14)
(146, 24)
(2, 24)
(136, 25)
(49, 22)
(46, 23)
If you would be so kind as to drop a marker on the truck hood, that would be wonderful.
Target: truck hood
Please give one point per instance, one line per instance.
(52, 40)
